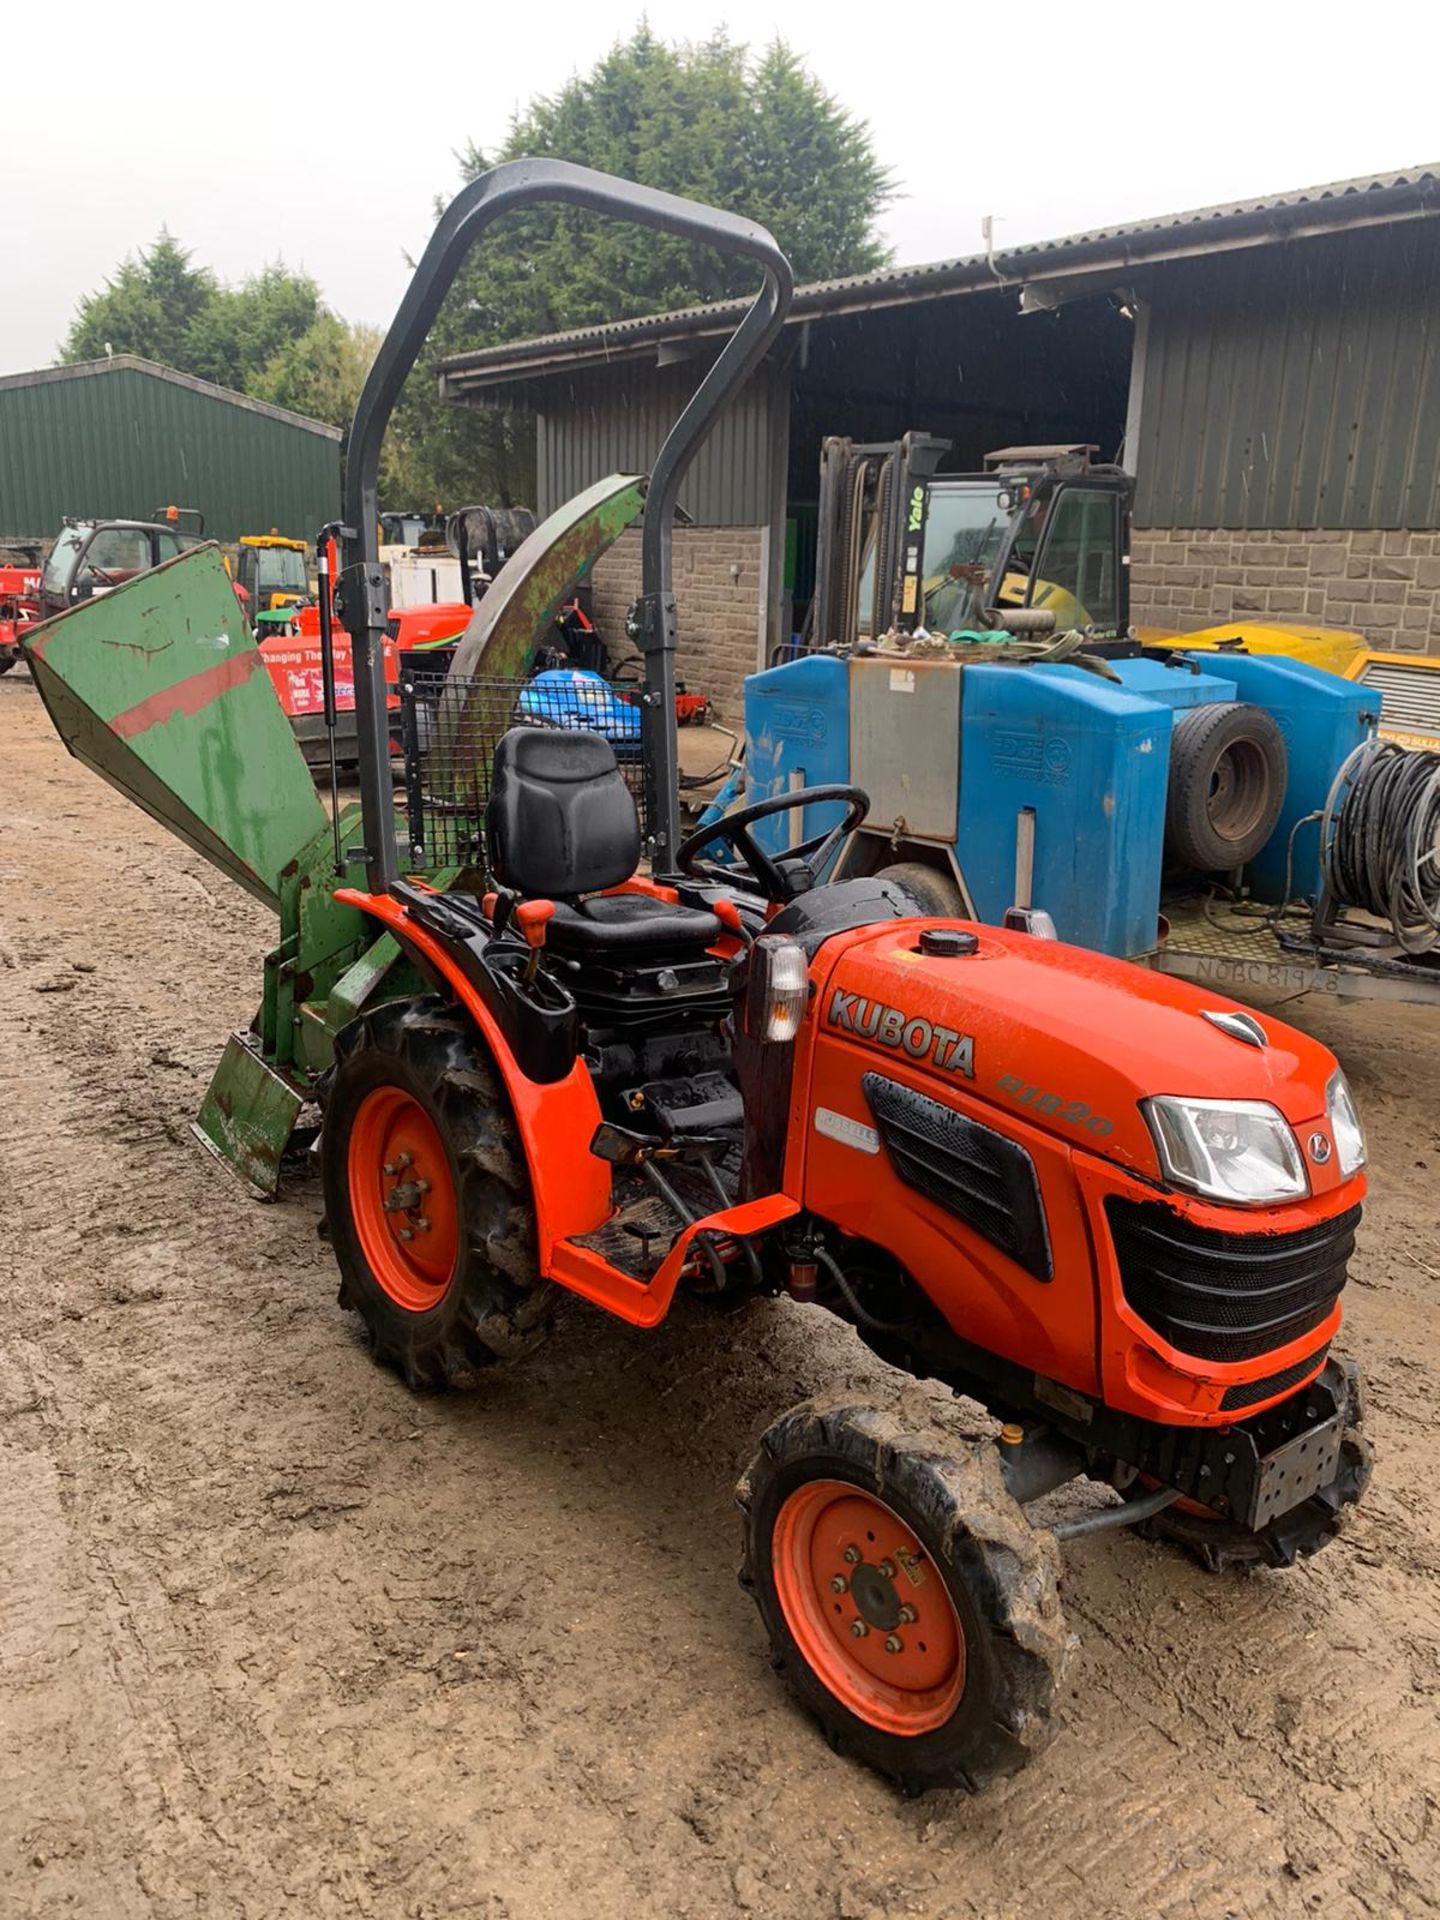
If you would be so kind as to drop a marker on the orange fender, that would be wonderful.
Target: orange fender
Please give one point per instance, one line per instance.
(571, 1188)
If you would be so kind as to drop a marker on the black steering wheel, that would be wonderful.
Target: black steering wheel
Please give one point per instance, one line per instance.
(780, 877)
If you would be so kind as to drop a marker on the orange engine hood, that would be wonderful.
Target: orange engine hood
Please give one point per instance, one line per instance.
(1068, 1039)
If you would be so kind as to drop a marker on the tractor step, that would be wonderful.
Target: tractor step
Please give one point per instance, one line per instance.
(636, 1239)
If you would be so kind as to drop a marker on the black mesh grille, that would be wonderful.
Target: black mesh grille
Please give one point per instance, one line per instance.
(1250, 1392)
(1227, 1296)
(450, 725)
(984, 1179)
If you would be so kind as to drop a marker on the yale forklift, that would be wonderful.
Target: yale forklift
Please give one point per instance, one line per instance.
(1037, 542)
(588, 1058)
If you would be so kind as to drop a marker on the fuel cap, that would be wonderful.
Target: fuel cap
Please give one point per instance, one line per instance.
(948, 943)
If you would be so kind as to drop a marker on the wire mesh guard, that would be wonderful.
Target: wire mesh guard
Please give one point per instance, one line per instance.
(450, 726)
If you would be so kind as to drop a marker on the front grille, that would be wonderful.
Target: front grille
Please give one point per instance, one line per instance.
(1251, 1392)
(1227, 1296)
(984, 1179)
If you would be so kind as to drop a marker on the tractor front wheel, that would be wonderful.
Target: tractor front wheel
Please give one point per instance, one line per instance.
(911, 1606)
(427, 1196)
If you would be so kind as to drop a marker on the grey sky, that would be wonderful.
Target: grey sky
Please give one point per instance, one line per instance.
(219, 122)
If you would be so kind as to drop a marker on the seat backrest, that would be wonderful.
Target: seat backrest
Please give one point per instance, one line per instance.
(560, 819)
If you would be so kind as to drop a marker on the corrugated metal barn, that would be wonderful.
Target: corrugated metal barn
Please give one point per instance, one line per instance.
(1268, 370)
(122, 438)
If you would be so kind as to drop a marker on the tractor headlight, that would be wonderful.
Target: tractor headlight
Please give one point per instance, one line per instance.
(1345, 1127)
(778, 990)
(1241, 1151)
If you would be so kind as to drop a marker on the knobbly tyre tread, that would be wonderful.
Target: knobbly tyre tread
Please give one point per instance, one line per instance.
(1002, 1572)
(1219, 1546)
(497, 1308)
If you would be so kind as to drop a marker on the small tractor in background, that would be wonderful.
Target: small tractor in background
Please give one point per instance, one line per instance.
(559, 1049)
(478, 540)
(93, 557)
(272, 572)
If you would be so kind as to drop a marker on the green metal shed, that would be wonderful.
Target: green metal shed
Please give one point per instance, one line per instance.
(121, 437)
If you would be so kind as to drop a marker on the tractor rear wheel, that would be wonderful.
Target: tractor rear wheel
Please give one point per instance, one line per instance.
(910, 1604)
(427, 1196)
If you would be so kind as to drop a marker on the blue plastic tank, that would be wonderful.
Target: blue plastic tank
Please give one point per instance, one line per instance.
(1322, 718)
(1092, 760)
(1175, 687)
(797, 729)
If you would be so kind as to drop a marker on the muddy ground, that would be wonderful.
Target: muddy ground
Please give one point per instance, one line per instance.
(276, 1638)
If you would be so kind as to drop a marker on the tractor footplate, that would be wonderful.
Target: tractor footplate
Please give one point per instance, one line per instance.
(636, 1239)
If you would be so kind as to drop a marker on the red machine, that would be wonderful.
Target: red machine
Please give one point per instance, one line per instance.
(19, 601)
(293, 660)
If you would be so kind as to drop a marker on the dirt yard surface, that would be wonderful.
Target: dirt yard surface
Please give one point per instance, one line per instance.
(278, 1639)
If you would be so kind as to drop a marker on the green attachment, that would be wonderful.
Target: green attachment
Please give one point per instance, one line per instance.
(522, 601)
(159, 687)
(248, 1115)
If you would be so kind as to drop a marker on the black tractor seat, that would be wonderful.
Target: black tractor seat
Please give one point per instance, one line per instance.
(561, 826)
(616, 924)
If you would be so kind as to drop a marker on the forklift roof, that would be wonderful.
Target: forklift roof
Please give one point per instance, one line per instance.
(1040, 455)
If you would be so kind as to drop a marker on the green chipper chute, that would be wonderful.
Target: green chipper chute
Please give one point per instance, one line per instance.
(159, 686)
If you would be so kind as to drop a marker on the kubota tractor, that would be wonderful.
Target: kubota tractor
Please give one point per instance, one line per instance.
(1113, 1208)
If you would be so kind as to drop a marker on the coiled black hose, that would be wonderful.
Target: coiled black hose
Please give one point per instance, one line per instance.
(1380, 839)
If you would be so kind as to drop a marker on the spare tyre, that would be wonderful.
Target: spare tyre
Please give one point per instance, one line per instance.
(932, 891)
(1228, 771)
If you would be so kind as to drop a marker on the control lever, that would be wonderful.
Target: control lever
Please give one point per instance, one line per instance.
(728, 914)
(533, 918)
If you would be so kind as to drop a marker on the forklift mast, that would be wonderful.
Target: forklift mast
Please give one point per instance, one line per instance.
(363, 609)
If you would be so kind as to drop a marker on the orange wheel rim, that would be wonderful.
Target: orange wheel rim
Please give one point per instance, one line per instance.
(402, 1198)
(868, 1608)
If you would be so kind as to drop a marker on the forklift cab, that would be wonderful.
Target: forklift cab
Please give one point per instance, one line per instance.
(91, 557)
(1043, 527)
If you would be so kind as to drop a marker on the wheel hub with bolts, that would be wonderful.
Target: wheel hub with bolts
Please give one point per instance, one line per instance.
(871, 1613)
(403, 1198)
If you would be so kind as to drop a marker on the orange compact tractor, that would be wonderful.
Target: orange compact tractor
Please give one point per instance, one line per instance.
(1112, 1207)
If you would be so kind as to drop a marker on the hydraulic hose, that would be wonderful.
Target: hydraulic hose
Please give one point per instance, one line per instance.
(1380, 839)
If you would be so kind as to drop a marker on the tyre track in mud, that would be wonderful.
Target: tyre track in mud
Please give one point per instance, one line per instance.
(279, 1638)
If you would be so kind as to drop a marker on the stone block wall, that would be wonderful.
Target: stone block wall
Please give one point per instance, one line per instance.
(718, 598)
(1384, 585)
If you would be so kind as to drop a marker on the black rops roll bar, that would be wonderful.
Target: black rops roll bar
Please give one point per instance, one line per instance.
(520, 183)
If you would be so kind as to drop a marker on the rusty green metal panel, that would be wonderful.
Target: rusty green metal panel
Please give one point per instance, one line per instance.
(159, 687)
(248, 1114)
(542, 573)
